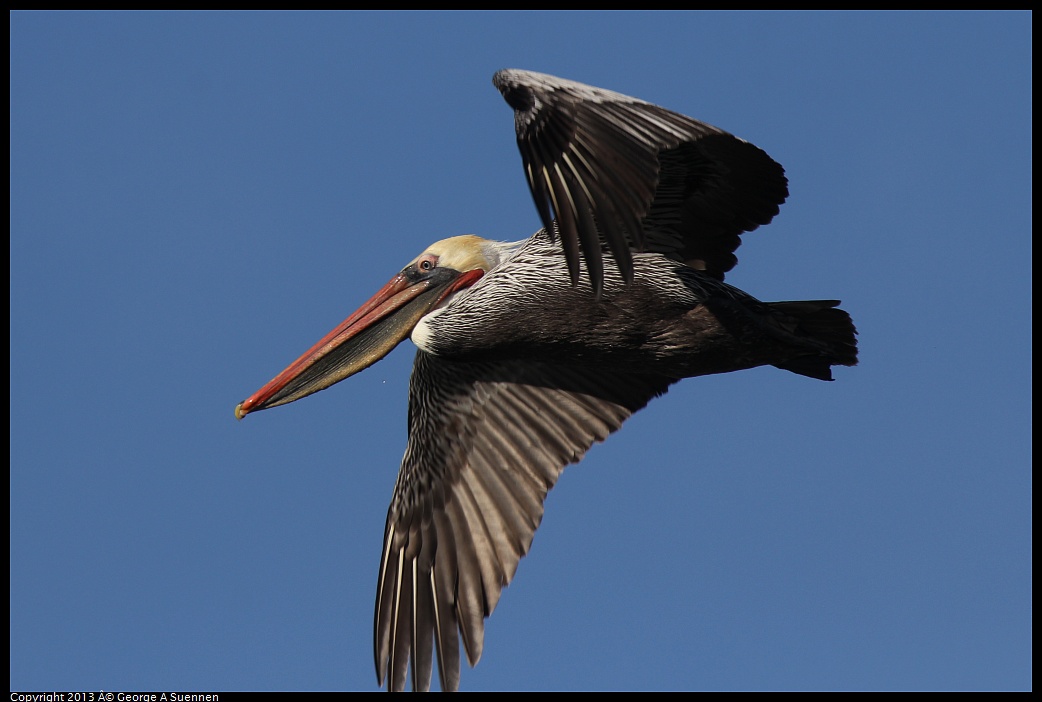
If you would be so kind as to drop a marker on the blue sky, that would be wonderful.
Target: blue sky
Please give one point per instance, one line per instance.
(197, 198)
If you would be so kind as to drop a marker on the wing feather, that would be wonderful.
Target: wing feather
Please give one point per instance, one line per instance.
(652, 179)
(487, 441)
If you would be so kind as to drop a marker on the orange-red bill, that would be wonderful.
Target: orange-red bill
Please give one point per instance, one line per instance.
(366, 336)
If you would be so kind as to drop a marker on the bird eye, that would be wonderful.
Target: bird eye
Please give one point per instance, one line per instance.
(426, 263)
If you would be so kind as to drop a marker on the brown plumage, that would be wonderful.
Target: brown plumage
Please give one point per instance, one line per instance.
(530, 352)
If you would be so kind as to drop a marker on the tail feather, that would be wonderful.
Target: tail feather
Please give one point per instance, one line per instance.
(830, 329)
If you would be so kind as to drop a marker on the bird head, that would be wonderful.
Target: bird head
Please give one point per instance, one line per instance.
(370, 333)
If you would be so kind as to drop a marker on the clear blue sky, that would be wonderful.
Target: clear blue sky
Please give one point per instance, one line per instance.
(197, 198)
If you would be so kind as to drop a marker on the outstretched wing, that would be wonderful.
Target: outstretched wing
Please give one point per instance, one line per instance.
(619, 172)
(486, 443)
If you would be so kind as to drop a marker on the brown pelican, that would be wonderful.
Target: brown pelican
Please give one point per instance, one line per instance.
(524, 362)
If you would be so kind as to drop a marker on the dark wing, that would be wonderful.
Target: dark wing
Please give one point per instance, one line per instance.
(486, 443)
(616, 171)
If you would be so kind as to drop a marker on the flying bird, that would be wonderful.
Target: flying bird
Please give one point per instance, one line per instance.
(529, 352)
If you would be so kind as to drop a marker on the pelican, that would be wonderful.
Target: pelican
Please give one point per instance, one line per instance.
(530, 352)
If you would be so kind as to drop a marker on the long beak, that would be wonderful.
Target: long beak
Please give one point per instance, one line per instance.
(360, 340)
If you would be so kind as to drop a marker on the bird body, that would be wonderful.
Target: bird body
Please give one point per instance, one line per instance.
(672, 319)
(530, 352)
